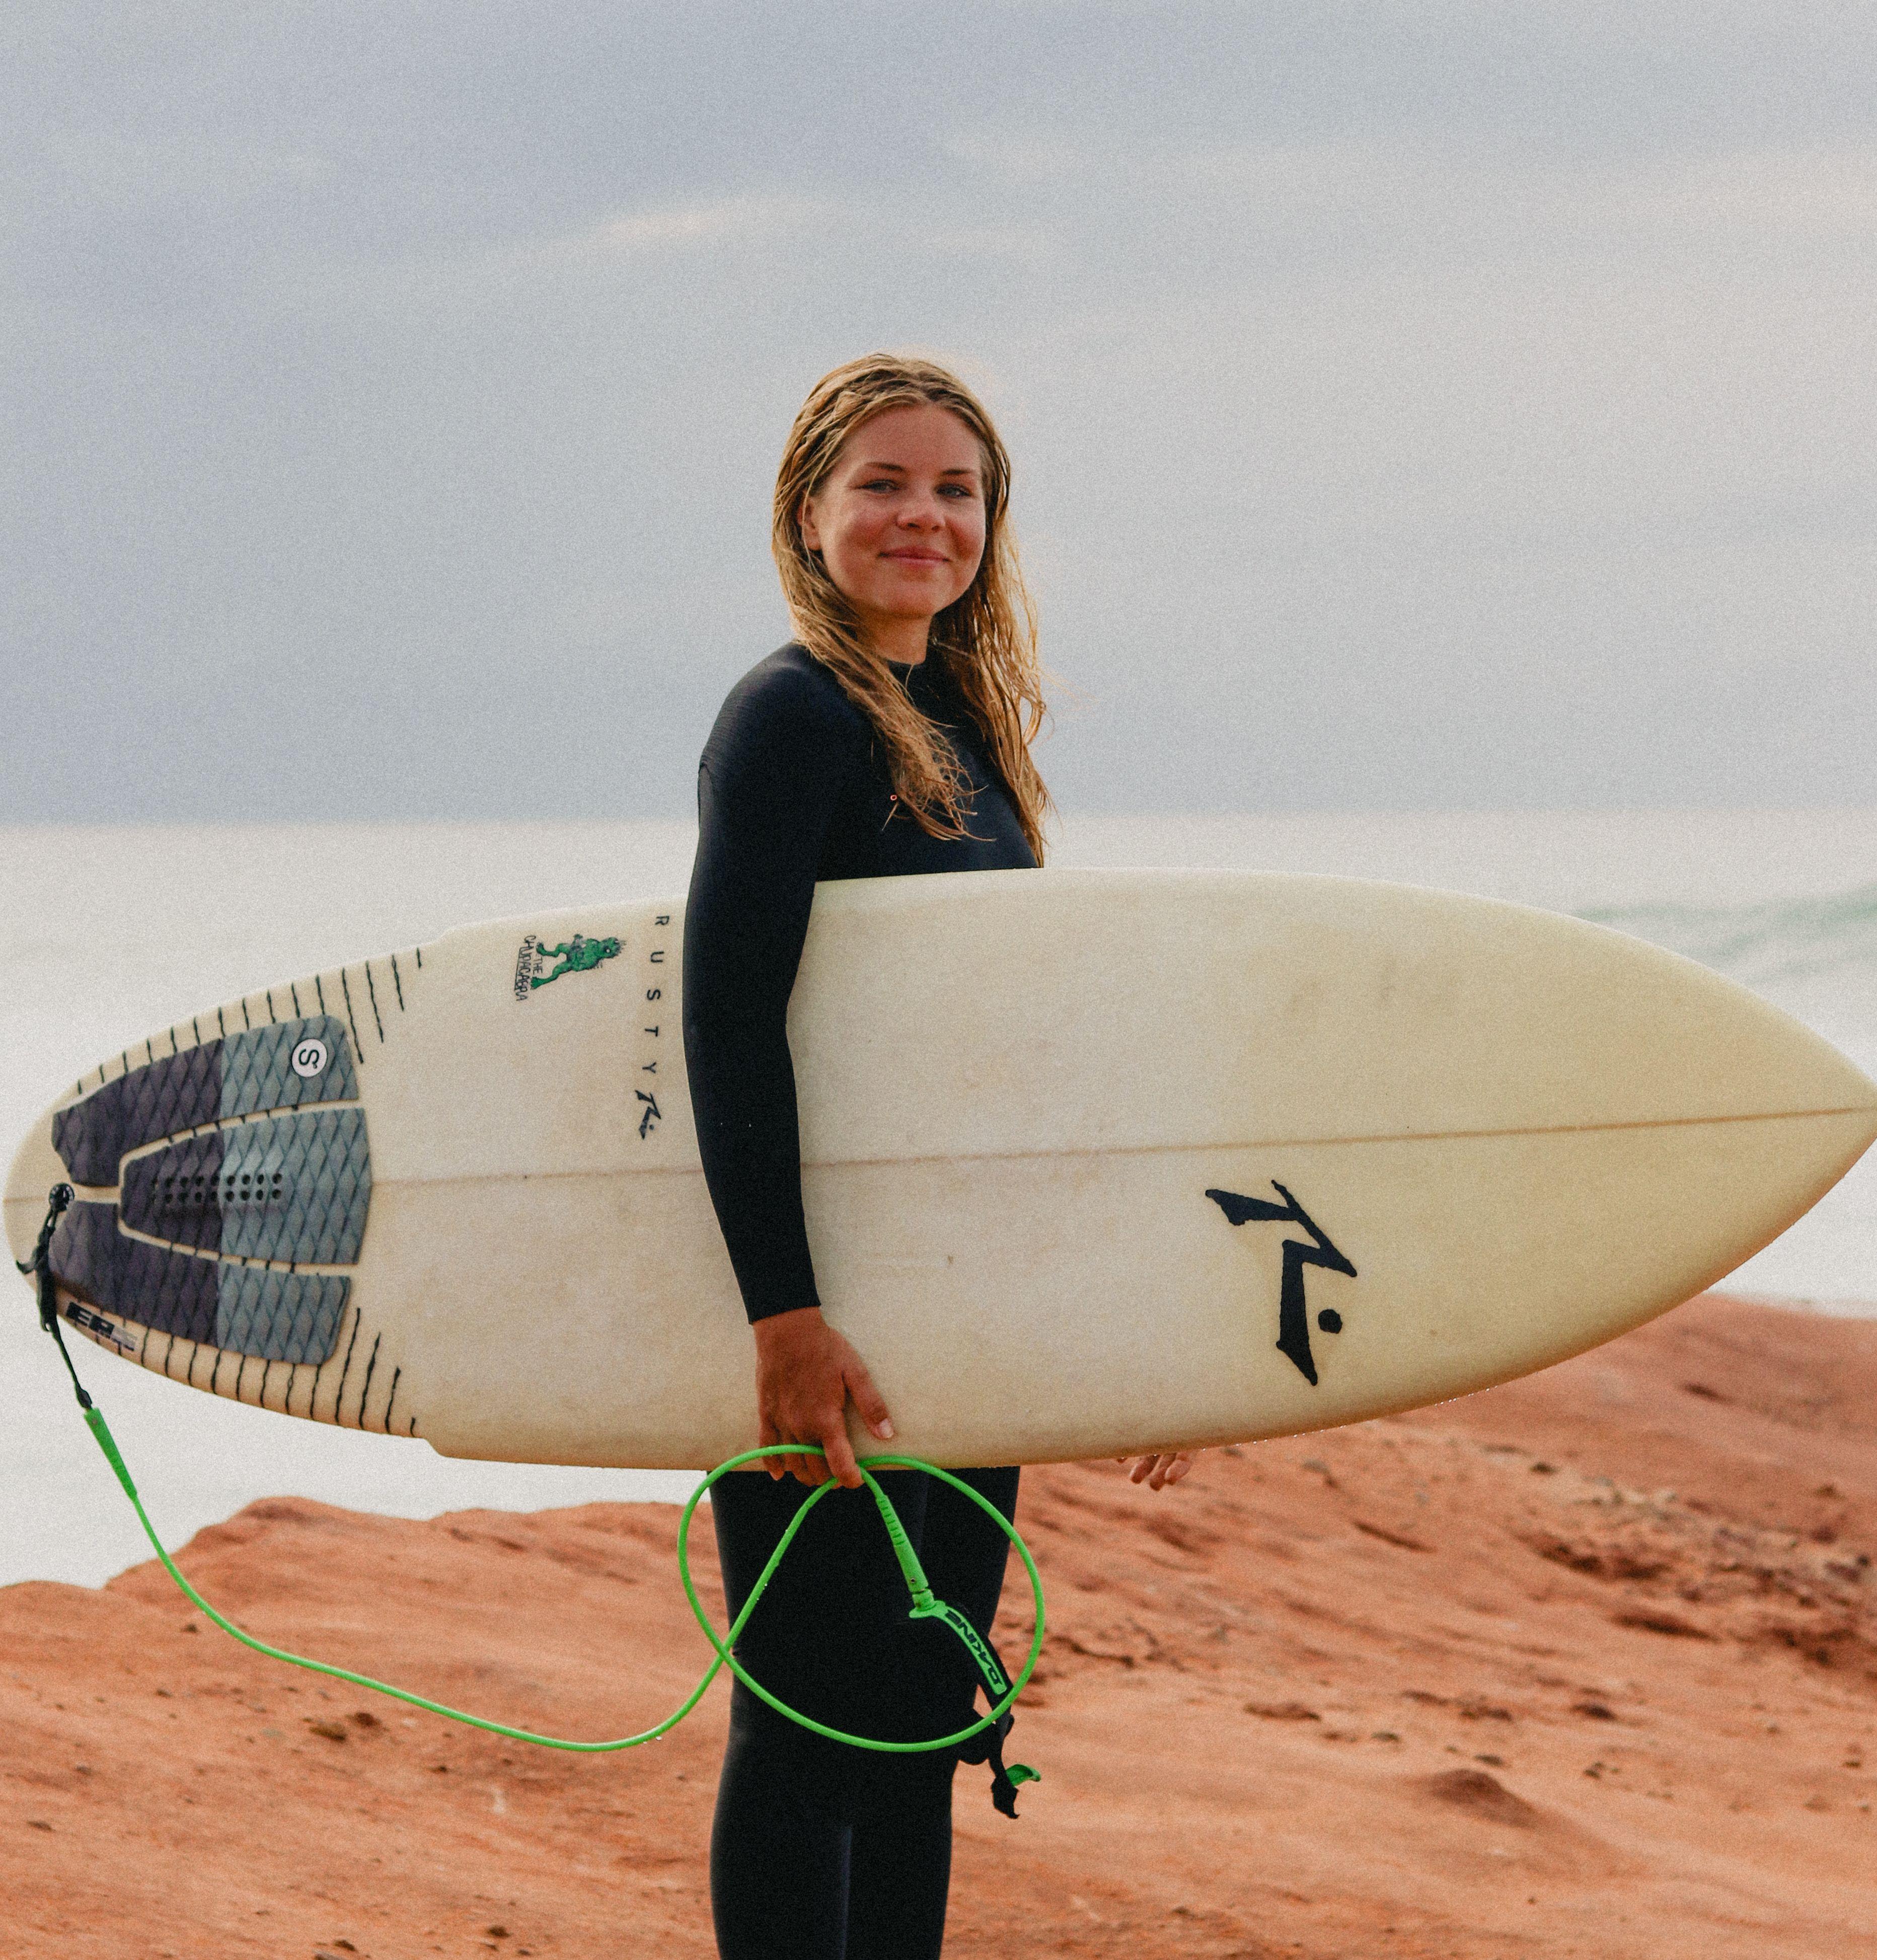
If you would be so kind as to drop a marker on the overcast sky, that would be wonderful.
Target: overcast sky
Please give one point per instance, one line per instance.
(1413, 404)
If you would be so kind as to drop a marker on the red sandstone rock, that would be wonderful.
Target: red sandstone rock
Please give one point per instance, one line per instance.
(1585, 1666)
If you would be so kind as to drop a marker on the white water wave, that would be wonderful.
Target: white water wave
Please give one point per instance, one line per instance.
(1769, 946)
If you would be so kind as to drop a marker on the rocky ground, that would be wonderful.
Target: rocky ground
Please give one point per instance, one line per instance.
(1584, 1665)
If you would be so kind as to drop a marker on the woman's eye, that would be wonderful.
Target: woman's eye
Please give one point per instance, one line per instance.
(880, 483)
(960, 490)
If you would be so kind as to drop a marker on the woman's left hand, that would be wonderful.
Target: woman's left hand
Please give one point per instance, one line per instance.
(1164, 1467)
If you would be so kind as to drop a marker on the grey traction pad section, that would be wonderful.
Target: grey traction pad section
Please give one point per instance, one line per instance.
(279, 1317)
(257, 1070)
(296, 1188)
(234, 1077)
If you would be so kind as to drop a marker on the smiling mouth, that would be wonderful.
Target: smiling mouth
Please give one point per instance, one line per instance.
(916, 557)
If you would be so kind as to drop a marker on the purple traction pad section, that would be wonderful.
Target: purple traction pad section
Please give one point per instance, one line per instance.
(256, 1310)
(166, 1291)
(175, 1194)
(178, 1092)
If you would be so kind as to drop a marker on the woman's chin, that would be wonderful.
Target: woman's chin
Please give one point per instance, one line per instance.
(894, 615)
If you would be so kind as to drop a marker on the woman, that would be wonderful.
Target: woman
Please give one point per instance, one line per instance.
(891, 736)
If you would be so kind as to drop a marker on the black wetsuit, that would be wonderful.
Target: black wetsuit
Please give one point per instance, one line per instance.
(820, 1850)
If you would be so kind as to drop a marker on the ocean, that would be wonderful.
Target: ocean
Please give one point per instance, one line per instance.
(107, 933)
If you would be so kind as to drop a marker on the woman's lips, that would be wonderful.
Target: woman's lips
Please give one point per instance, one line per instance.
(917, 557)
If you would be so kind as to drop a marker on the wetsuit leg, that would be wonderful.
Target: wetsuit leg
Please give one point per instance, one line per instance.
(813, 1859)
(900, 1869)
(779, 1861)
(900, 1859)
(813, 1835)
(827, 1637)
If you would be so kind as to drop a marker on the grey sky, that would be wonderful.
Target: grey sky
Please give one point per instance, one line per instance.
(1413, 405)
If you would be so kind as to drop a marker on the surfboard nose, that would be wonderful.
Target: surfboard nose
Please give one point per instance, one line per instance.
(34, 1170)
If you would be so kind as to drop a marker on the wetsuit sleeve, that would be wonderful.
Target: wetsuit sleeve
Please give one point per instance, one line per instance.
(770, 776)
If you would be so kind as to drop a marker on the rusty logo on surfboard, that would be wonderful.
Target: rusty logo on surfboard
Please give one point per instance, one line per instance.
(1293, 1316)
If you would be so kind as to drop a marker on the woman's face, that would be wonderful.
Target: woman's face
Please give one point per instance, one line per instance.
(899, 523)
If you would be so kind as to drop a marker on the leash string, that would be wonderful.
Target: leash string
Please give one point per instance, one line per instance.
(982, 1741)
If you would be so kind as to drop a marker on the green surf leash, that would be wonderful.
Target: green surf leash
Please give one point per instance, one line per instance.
(1000, 1689)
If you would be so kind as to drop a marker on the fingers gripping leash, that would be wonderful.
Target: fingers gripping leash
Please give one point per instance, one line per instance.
(980, 1741)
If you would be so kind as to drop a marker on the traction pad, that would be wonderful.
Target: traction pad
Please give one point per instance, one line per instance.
(294, 1188)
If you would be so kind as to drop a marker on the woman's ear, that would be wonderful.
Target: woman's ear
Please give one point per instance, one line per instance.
(811, 531)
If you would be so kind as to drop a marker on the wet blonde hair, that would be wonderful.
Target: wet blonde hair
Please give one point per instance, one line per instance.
(985, 640)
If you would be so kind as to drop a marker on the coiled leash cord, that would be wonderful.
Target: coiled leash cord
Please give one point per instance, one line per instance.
(988, 1732)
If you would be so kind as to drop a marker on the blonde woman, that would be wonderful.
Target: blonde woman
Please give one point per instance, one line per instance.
(891, 736)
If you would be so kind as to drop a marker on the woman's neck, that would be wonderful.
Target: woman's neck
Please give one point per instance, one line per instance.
(901, 641)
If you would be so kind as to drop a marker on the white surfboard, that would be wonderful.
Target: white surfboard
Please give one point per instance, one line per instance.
(1093, 1161)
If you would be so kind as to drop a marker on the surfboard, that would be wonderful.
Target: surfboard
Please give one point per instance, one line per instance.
(1093, 1162)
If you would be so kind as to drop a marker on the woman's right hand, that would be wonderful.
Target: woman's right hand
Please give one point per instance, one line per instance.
(806, 1371)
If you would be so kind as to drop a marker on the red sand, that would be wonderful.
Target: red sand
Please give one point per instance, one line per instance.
(1584, 1665)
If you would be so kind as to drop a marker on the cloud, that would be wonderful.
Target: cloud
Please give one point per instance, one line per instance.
(1019, 158)
(721, 220)
(1354, 199)
(1782, 197)
(1489, 386)
(122, 169)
